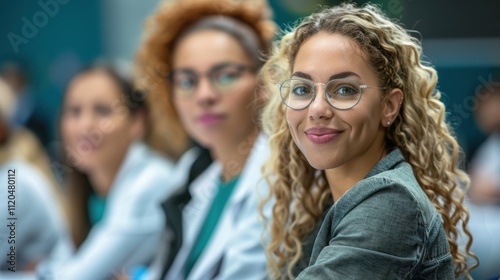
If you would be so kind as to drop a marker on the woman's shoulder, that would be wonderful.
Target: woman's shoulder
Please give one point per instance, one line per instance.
(143, 163)
(28, 179)
(400, 180)
(392, 193)
(382, 208)
(144, 175)
(153, 159)
(35, 199)
(383, 217)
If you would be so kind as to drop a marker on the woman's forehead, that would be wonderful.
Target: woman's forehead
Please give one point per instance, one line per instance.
(206, 48)
(325, 54)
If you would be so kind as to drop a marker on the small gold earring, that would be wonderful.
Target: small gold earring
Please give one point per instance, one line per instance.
(388, 123)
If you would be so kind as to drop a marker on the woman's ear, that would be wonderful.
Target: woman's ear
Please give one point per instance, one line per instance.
(391, 104)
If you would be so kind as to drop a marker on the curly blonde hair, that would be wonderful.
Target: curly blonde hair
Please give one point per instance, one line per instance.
(419, 131)
(162, 30)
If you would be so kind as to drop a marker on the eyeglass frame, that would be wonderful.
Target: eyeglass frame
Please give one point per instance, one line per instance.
(208, 74)
(361, 87)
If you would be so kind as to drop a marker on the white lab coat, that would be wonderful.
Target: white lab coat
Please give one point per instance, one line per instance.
(36, 219)
(132, 225)
(235, 250)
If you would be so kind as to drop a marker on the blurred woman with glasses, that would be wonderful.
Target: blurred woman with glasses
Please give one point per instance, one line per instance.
(363, 166)
(203, 57)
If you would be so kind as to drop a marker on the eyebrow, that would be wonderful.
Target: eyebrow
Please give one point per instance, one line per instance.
(332, 77)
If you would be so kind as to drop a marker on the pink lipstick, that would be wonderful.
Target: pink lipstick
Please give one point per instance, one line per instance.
(210, 118)
(321, 135)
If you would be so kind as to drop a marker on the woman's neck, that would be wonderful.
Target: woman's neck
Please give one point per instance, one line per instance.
(233, 156)
(102, 179)
(344, 177)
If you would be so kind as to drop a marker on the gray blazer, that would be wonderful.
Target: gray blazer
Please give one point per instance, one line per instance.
(384, 227)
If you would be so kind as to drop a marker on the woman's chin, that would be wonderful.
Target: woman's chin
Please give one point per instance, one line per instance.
(209, 141)
(321, 163)
(85, 165)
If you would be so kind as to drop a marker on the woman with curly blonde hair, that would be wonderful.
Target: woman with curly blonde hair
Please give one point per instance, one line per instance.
(204, 57)
(363, 166)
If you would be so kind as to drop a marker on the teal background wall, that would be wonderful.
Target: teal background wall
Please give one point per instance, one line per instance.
(60, 43)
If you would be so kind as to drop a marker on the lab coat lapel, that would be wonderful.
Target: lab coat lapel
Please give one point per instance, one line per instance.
(202, 190)
(251, 174)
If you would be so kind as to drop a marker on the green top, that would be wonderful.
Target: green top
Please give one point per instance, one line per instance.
(95, 206)
(223, 193)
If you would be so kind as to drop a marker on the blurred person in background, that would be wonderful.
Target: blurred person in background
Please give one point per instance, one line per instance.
(205, 56)
(485, 166)
(25, 111)
(35, 220)
(114, 180)
(484, 193)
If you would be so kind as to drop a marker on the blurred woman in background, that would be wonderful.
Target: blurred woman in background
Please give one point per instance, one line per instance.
(205, 56)
(484, 194)
(31, 200)
(114, 180)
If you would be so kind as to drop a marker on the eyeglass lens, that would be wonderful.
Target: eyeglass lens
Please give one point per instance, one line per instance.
(340, 93)
(222, 78)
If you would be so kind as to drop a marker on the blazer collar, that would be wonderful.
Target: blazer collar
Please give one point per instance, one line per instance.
(392, 159)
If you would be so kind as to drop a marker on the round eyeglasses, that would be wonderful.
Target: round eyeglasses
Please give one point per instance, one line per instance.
(223, 78)
(341, 94)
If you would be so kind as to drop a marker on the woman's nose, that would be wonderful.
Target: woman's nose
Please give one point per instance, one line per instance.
(86, 120)
(205, 93)
(319, 107)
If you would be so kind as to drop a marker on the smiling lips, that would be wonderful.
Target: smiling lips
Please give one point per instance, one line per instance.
(86, 145)
(321, 135)
(210, 118)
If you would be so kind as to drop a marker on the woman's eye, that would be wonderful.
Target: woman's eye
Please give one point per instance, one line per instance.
(103, 110)
(346, 90)
(185, 83)
(72, 111)
(227, 78)
(301, 90)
